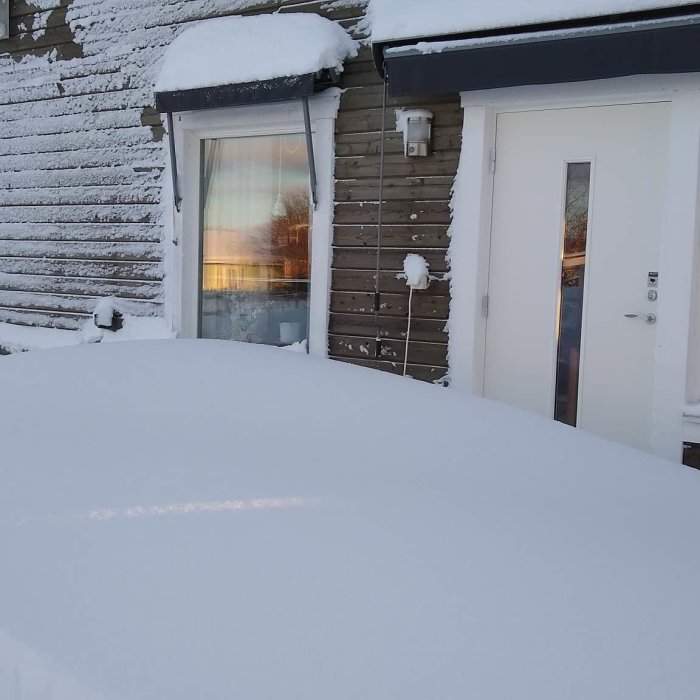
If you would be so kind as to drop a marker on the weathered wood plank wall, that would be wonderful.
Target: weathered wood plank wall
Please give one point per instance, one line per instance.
(416, 216)
(81, 176)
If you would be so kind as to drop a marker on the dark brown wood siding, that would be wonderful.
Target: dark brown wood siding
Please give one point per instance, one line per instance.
(416, 219)
(80, 170)
(82, 163)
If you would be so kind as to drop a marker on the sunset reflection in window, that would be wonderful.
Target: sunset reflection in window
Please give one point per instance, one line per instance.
(255, 268)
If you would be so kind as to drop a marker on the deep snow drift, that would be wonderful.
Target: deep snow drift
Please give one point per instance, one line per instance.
(209, 520)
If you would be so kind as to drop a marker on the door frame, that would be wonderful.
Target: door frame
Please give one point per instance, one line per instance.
(471, 230)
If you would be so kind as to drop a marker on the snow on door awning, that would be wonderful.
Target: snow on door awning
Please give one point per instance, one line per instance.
(249, 60)
(570, 51)
(399, 20)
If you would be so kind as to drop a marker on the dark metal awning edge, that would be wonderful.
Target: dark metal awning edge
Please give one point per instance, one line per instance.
(379, 47)
(286, 89)
(257, 92)
(280, 89)
(638, 49)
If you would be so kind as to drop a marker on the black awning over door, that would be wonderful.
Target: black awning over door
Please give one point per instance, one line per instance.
(542, 58)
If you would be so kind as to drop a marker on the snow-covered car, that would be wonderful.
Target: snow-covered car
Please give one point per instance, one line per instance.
(204, 520)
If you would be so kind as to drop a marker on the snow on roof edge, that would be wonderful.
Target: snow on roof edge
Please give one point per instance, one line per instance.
(427, 46)
(400, 20)
(234, 50)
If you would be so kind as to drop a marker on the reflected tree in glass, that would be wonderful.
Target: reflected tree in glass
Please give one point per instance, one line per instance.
(255, 219)
(578, 185)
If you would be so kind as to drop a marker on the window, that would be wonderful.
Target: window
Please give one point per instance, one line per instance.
(578, 188)
(254, 253)
(256, 219)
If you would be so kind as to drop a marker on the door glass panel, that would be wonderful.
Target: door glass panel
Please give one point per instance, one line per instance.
(255, 218)
(578, 186)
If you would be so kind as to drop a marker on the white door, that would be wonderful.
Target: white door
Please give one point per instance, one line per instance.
(577, 216)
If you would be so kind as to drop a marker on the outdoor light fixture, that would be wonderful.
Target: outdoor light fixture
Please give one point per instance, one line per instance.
(416, 126)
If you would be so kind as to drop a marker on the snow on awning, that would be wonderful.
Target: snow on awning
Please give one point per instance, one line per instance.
(398, 20)
(245, 60)
(570, 54)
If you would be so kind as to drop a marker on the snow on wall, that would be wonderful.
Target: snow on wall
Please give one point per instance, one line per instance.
(4, 18)
(408, 19)
(79, 175)
(82, 171)
(82, 156)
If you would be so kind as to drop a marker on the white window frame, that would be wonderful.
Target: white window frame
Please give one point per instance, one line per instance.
(255, 120)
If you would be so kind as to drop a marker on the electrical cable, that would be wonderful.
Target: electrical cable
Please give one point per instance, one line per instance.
(380, 213)
(408, 331)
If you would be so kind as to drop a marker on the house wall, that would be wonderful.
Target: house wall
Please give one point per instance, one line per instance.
(83, 180)
(416, 219)
(80, 162)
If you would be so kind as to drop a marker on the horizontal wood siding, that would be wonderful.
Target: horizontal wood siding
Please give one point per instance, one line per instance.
(80, 172)
(416, 218)
(82, 163)
(82, 156)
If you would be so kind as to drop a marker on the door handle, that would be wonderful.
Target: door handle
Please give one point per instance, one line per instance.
(647, 318)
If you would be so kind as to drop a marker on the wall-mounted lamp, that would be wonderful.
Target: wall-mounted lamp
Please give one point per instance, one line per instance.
(417, 127)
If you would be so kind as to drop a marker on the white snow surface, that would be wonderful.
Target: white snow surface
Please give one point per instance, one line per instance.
(17, 338)
(692, 410)
(201, 519)
(104, 311)
(407, 19)
(416, 270)
(233, 50)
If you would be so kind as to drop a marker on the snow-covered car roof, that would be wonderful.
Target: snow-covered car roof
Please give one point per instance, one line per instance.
(209, 520)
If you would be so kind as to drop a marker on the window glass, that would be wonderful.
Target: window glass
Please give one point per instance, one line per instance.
(255, 267)
(578, 186)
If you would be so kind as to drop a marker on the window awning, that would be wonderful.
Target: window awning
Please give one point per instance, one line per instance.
(556, 55)
(258, 59)
(257, 92)
(249, 60)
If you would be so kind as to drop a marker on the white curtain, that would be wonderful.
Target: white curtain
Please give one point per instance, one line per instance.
(244, 296)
